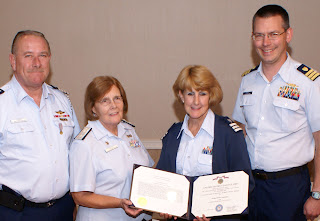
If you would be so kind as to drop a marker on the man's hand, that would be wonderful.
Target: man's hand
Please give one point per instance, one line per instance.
(311, 208)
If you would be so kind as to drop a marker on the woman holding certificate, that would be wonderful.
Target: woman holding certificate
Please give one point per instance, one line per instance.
(204, 143)
(103, 154)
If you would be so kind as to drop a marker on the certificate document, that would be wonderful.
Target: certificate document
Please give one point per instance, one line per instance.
(182, 196)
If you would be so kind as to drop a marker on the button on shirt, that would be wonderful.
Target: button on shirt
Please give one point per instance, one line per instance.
(193, 159)
(280, 117)
(33, 151)
(102, 163)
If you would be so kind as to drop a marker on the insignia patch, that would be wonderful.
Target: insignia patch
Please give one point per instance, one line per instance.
(289, 91)
(207, 150)
(124, 121)
(249, 71)
(234, 125)
(85, 131)
(134, 143)
(310, 73)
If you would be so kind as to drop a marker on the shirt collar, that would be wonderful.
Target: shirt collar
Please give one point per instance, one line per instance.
(283, 72)
(100, 131)
(207, 124)
(20, 93)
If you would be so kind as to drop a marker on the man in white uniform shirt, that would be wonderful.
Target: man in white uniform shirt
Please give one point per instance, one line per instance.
(278, 104)
(37, 126)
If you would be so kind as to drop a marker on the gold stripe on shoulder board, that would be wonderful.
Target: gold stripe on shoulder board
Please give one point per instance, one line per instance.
(308, 72)
(250, 70)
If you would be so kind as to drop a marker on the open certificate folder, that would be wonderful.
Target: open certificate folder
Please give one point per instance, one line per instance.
(186, 197)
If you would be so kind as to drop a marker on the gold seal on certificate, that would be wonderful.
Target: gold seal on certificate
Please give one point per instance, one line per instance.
(212, 195)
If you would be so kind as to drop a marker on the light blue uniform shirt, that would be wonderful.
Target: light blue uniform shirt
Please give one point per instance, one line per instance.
(103, 163)
(33, 152)
(194, 157)
(280, 117)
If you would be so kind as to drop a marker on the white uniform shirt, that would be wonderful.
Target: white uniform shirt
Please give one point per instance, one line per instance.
(194, 157)
(280, 117)
(102, 163)
(33, 153)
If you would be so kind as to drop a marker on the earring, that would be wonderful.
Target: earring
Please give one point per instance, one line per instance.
(94, 114)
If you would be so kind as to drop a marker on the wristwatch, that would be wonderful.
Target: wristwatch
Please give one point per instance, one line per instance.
(315, 195)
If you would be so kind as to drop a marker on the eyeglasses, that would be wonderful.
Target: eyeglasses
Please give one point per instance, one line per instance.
(271, 36)
(107, 101)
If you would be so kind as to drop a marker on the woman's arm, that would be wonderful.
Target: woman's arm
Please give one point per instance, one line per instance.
(92, 200)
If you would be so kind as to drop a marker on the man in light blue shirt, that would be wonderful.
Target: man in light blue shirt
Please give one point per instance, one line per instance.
(37, 126)
(278, 105)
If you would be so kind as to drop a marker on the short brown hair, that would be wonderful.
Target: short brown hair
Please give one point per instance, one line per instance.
(20, 34)
(198, 77)
(270, 11)
(97, 88)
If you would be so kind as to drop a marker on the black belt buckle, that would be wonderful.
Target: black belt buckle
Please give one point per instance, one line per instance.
(261, 176)
(12, 201)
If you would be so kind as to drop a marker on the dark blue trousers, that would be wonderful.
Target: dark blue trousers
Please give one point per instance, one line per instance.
(62, 210)
(280, 199)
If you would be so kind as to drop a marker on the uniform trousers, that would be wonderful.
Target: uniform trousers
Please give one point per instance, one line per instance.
(62, 210)
(280, 199)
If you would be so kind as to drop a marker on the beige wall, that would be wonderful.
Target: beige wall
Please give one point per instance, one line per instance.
(145, 44)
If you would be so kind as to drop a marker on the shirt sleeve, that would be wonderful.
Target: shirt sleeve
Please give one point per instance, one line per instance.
(313, 107)
(82, 170)
(237, 111)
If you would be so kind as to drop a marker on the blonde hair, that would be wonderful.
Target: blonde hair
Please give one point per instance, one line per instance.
(198, 77)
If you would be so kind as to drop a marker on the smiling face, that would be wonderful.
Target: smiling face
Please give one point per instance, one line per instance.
(196, 103)
(30, 61)
(271, 52)
(110, 114)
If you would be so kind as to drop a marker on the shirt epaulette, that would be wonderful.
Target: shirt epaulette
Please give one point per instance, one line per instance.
(124, 121)
(66, 93)
(54, 87)
(1, 91)
(249, 71)
(168, 130)
(308, 72)
(164, 135)
(234, 125)
(82, 135)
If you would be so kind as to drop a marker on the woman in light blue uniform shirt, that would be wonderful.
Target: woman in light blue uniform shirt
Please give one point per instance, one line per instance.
(103, 154)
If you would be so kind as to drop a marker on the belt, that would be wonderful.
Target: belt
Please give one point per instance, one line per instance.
(262, 175)
(13, 200)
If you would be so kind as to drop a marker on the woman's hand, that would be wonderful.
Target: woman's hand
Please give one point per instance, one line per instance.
(167, 216)
(203, 218)
(128, 207)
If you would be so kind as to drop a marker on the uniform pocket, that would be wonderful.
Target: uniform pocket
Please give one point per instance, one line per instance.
(248, 108)
(20, 137)
(286, 110)
(65, 128)
(204, 164)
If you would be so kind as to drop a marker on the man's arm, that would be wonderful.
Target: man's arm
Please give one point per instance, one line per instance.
(312, 206)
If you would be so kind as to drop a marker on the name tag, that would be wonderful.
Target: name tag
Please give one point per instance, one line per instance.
(111, 148)
(18, 120)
